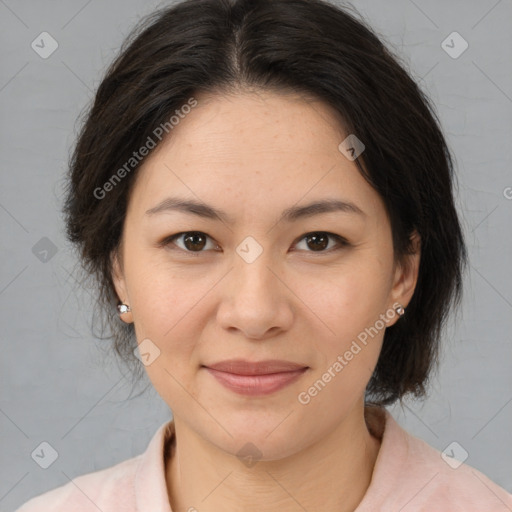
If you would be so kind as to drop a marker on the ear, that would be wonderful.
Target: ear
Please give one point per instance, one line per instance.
(120, 285)
(406, 276)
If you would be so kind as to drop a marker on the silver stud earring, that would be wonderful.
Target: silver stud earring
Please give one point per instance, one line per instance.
(123, 308)
(400, 311)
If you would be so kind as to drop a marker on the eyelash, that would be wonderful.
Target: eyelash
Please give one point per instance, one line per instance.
(339, 239)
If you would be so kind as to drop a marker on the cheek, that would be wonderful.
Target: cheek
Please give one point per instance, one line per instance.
(348, 332)
(349, 298)
(167, 312)
(350, 305)
(163, 303)
(157, 292)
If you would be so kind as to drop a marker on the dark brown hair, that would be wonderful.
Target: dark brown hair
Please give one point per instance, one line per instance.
(307, 46)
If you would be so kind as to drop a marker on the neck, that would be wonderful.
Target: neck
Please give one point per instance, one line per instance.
(332, 474)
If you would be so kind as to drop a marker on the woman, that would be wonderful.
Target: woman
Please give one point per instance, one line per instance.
(266, 196)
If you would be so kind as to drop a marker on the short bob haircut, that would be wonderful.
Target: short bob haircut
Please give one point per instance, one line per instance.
(310, 47)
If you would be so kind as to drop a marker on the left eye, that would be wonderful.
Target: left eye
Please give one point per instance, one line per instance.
(196, 241)
(320, 240)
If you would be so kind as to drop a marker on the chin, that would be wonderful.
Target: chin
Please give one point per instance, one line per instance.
(260, 436)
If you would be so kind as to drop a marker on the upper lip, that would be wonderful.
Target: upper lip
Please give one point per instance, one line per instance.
(244, 367)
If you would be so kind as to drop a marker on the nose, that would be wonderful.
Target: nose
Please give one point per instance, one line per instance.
(256, 300)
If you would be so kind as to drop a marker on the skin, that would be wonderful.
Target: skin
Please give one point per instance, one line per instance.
(254, 154)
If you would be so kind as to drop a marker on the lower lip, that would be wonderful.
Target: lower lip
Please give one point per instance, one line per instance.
(254, 385)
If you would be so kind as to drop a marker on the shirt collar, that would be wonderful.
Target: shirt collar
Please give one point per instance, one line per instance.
(150, 477)
(150, 483)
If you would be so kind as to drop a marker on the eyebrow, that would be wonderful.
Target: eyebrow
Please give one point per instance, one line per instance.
(289, 215)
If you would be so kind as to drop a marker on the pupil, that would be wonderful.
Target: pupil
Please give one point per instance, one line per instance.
(324, 242)
(194, 238)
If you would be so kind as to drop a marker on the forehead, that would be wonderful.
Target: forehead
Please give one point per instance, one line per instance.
(272, 146)
(257, 122)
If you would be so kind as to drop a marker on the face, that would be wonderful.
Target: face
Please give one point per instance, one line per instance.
(266, 280)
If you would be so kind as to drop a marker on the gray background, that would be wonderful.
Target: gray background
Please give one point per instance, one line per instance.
(57, 385)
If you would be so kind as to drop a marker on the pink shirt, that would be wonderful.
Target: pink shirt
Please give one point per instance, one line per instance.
(409, 475)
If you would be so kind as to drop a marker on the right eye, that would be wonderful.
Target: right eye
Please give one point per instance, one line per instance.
(192, 241)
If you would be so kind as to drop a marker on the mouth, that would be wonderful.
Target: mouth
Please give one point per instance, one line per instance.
(255, 378)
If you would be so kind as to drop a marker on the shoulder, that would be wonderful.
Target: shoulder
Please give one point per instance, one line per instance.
(420, 477)
(443, 480)
(120, 488)
(111, 488)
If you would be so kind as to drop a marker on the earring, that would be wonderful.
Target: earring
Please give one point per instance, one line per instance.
(123, 308)
(400, 311)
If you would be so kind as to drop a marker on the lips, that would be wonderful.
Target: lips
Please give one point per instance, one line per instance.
(243, 367)
(255, 378)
